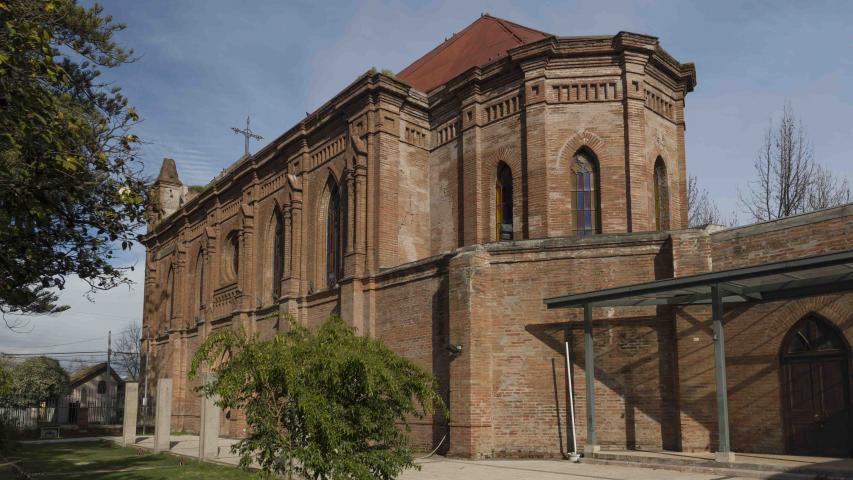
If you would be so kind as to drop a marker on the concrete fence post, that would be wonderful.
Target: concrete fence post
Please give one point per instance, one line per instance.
(208, 435)
(163, 415)
(131, 406)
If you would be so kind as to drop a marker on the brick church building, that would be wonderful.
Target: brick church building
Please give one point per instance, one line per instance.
(436, 210)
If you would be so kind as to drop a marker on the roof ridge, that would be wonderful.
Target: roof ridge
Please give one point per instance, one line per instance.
(482, 40)
(509, 30)
(443, 45)
(505, 22)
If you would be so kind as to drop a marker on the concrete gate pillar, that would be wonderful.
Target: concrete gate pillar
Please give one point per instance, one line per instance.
(208, 435)
(131, 404)
(163, 416)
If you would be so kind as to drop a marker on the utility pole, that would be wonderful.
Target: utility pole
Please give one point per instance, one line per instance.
(109, 354)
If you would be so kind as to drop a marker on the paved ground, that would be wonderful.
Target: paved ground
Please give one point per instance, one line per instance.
(444, 468)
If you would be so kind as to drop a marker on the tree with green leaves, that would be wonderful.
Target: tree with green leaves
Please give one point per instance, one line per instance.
(5, 376)
(71, 192)
(35, 380)
(328, 404)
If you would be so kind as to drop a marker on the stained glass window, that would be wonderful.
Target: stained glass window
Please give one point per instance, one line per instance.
(585, 183)
(333, 237)
(503, 203)
(277, 254)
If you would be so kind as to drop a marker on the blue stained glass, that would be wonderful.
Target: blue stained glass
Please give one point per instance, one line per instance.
(587, 218)
(586, 180)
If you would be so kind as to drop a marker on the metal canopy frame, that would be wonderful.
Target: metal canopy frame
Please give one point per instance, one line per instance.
(814, 275)
(804, 276)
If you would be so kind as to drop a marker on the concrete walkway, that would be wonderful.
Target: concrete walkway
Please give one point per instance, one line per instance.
(758, 464)
(438, 467)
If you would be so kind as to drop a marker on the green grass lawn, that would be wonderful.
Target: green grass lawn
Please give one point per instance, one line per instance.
(101, 460)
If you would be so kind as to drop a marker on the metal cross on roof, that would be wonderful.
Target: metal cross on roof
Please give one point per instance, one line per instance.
(248, 134)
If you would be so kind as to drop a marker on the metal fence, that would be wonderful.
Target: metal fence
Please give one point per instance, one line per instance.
(21, 414)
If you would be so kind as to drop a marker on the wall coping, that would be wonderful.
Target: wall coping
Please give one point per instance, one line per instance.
(784, 223)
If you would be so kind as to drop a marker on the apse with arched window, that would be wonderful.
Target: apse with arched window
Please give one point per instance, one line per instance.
(503, 203)
(815, 378)
(333, 237)
(661, 194)
(277, 254)
(584, 178)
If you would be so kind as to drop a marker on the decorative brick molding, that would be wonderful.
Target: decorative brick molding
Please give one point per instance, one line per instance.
(581, 139)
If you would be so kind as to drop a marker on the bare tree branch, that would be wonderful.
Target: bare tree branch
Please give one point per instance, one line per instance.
(127, 351)
(788, 180)
(827, 190)
(701, 210)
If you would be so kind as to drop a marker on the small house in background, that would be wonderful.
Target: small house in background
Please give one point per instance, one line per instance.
(96, 396)
(94, 384)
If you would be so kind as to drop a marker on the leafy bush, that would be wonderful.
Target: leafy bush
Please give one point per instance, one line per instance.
(324, 405)
(34, 380)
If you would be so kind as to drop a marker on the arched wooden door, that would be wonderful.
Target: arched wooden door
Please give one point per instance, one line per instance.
(815, 386)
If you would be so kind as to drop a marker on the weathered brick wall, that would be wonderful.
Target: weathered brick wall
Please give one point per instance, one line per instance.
(413, 201)
(754, 343)
(600, 128)
(444, 196)
(320, 307)
(412, 320)
(753, 332)
(661, 141)
(508, 388)
(800, 236)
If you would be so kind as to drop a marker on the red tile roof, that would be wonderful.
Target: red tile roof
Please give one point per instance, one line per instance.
(484, 40)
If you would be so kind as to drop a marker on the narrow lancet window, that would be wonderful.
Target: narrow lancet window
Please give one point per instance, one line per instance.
(585, 183)
(277, 254)
(333, 238)
(503, 203)
(661, 196)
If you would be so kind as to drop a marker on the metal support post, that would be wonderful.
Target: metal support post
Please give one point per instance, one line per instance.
(724, 453)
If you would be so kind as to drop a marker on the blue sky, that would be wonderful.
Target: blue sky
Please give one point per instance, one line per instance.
(203, 66)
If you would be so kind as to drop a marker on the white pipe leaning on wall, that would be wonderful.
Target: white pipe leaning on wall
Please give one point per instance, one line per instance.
(571, 400)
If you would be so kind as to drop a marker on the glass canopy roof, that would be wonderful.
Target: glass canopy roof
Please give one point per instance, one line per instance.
(793, 278)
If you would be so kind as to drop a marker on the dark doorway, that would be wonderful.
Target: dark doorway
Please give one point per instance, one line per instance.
(815, 388)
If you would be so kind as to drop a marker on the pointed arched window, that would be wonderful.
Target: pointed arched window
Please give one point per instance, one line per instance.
(170, 301)
(199, 278)
(503, 203)
(235, 254)
(277, 253)
(812, 335)
(584, 171)
(231, 257)
(661, 196)
(333, 237)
